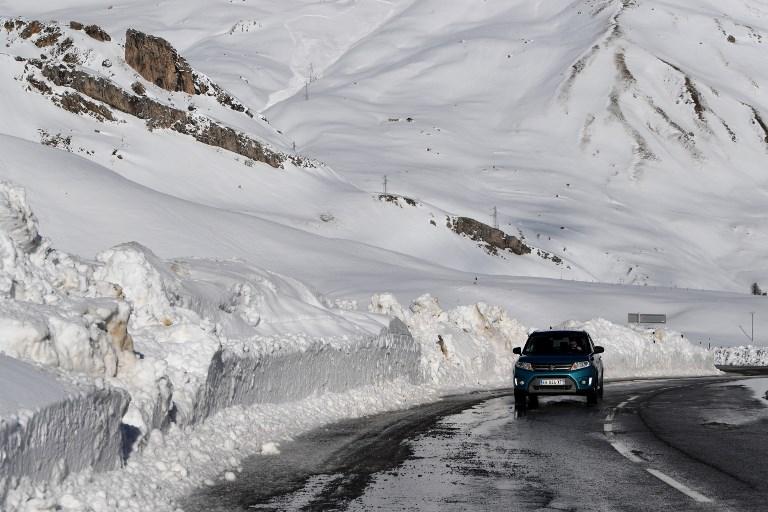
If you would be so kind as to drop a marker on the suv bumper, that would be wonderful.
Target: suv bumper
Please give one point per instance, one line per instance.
(577, 382)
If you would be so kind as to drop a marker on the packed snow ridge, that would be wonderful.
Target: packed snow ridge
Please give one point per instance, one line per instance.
(149, 359)
(741, 356)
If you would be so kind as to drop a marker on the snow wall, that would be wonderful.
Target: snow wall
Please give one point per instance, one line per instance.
(741, 356)
(79, 431)
(323, 367)
(139, 343)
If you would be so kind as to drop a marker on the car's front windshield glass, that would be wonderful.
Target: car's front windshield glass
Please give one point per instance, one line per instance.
(557, 343)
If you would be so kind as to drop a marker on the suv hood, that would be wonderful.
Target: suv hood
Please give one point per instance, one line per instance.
(554, 359)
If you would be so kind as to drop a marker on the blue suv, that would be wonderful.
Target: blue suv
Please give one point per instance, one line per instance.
(558, 363)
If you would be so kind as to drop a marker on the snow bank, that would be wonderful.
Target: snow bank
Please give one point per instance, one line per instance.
(207, 348)
(636, 352)
(237, 377)
(49, 315)
(467, 345)
(205, 335)
(472, 345)
(175, 462)
(741, 356)
(54, 426)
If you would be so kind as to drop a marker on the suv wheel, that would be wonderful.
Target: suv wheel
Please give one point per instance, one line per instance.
(520, 397)
(592, 396)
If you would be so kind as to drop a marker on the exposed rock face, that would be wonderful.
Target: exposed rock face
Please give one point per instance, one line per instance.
(101, 89)
(31, 29)
(138, 88)
(97, 33)
(50, 37)
(227, 138)
(158, 62)
(495, 238)
(97, 96)
(77, 104)
(156, 114)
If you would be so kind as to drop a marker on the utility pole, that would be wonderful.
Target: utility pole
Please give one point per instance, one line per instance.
(385, 184)
(495, 217)
(306, 90)
(750, 337)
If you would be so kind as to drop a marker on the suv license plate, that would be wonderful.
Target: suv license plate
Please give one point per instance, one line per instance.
(552, 382)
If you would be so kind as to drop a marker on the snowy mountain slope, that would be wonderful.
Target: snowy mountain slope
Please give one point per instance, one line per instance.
(319, 202)
(607, 119)
(600, 129)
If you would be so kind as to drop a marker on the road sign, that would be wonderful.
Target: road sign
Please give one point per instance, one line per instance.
(646, 318)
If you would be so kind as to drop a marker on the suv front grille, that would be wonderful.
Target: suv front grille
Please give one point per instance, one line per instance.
(550, 367)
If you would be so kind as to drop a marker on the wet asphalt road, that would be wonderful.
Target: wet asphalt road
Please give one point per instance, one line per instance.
(690, 444)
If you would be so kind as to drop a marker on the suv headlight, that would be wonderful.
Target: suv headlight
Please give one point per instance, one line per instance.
(578, 365)
(524, 366)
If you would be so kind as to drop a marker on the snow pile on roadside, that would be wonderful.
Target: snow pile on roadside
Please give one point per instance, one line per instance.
(741, 356)
(46, 421)
(205, 335)
(181, 459)
(635, 352)
(467, 345)
(49, 313)
(219, 357)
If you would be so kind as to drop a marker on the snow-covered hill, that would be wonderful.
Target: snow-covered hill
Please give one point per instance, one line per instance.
(626, 137)
(215, 244)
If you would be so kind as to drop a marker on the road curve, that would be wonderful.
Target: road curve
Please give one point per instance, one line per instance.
(683, 444)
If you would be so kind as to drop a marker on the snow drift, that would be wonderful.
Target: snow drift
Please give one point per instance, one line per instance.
(632, 352)
(464, 346)
(741, 356)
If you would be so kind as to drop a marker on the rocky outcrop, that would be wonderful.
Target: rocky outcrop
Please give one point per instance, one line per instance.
(49, 37)
(76, 104)
(495, 239)
(97, 33)
(32, 28)
(156, 114)
(225, 137)
(97, 96)
(398, 200)
(157, 61)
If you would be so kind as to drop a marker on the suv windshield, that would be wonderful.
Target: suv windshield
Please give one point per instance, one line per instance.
(557, 343)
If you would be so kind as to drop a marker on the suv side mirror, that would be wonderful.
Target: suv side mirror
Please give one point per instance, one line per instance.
(599, 350)
(517, 350)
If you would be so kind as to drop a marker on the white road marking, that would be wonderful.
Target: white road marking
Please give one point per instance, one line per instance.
(623, 449)
(697, 496)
